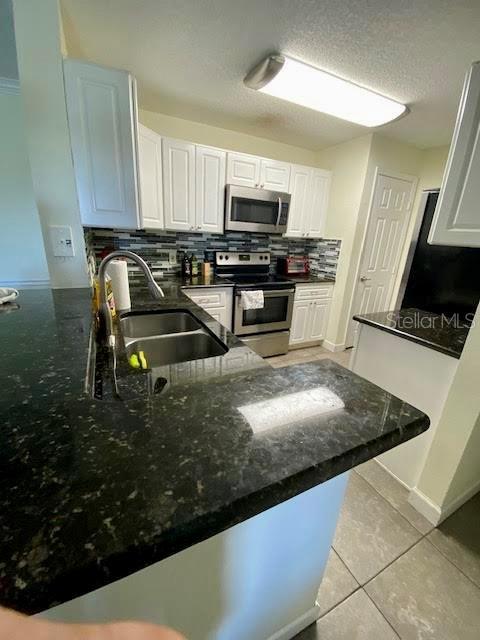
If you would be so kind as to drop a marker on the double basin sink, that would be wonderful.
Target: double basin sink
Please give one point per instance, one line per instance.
(168, 337)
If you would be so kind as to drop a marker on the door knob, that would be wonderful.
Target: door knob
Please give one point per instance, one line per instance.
(364, 279)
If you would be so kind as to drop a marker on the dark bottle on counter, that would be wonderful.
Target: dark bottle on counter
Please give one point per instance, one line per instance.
(186, 267)
(194, 265)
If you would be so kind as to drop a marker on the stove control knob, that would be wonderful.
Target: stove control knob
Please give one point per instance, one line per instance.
(226, 257)
(220, 257)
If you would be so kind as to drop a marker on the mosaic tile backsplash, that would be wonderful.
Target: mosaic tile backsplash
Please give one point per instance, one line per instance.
(323, 254)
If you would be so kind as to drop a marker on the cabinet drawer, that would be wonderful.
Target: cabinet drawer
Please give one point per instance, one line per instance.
(208, 299)
(306, 292)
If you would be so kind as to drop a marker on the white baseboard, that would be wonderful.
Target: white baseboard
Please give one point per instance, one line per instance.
(332, 346)
(26, 284)
(293, 628)
(436, 514)
(425, 506)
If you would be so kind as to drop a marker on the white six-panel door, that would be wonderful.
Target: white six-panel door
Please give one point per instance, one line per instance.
(210, 189)
(178, 184)
(389, 215)
(101, 118)
(150, 178)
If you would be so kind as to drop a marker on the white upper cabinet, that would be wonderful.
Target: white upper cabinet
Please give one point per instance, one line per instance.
(101, 106)
(210, 189)
(150, 178)
(262, 173)
(308, 207)
(318, 196)
(298, 212)
(243, 170)
(457, 217)
(275, 175)
(178, 160)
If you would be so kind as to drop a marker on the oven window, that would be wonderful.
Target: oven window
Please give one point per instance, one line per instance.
(275, 310)
(254, 211)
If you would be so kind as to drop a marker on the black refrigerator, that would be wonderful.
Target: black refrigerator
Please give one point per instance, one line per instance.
(440, 279)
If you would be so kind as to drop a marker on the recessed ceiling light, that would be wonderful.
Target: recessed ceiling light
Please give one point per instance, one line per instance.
(303, 84)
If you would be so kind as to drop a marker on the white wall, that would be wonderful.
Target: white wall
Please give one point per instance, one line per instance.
(349, 163)
(225, 138)
(452, 469)
(22, 256)
(37, 32)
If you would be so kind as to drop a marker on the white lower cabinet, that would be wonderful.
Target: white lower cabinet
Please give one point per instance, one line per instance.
(216, 301)
(311, 309)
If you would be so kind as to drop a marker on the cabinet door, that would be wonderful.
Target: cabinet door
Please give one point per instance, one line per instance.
(101, 119)
(178, 159)
(243, 170)
(275, 175)
(318, 196)
(150, 178)
(299, 188)
(319, 319)
(210, 191)
(457, 217)
(300, 329)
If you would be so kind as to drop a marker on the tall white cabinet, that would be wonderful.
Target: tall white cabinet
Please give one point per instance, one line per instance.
(457, 216)
(179, 184)
(101, 107)
(210, 189)
(194, 186)
(150, 178)
(310, 188)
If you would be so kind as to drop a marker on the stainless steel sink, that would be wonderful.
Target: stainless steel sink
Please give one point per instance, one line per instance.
(157, 323)
(177, 347)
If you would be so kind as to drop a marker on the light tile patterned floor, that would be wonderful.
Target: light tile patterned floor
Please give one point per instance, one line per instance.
(390, 573)
(309, 354)
(391, 576)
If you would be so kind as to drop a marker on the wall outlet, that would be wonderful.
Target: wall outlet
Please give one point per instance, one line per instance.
(62, 242)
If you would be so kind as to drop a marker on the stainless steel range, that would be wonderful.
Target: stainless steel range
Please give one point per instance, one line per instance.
(265, 330)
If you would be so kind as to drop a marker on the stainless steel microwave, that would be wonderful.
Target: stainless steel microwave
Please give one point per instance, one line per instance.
(250, 209)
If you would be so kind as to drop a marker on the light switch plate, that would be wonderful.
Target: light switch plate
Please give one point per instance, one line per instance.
(62, 241)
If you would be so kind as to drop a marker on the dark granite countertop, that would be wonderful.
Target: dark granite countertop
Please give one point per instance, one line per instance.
(311, 278)
(95, 490)
(199, 281)
(444, 333)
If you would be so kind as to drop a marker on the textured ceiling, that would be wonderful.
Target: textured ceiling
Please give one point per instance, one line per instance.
(190, 57)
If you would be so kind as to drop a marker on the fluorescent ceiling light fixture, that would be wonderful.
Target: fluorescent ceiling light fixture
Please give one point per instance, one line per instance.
(302, 84)
(290, 408)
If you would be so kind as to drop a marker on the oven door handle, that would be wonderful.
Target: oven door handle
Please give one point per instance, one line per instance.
(279, 211)
(271, 294)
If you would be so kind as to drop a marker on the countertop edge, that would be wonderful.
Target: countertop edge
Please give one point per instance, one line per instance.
(251, 505)
(408, 336)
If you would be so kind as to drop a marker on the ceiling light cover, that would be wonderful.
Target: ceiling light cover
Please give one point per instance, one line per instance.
(302, 84)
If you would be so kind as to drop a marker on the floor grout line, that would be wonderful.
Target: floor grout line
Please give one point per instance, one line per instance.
(382, 614)
(424, 536)
(392, 505)
(451, 562)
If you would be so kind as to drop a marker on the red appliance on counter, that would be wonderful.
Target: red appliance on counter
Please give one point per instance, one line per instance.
(293, 265)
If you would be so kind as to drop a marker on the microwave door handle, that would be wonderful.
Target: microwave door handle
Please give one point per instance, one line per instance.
(279, 211)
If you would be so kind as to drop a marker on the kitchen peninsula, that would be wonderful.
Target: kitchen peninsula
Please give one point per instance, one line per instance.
(413, 354)
(208, 503)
